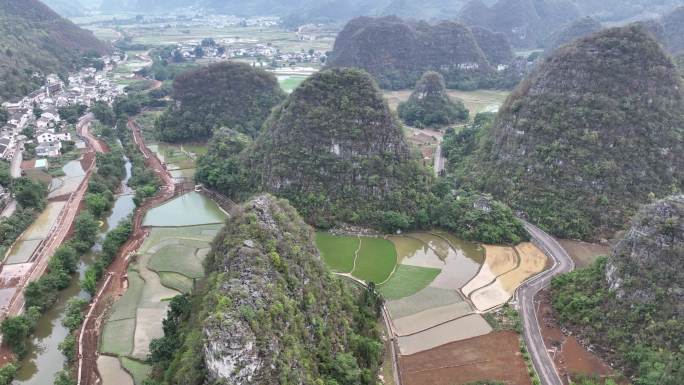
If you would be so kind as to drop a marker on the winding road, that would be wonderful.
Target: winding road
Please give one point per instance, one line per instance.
(562, 263)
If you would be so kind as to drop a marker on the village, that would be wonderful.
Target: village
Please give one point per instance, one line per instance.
(40, 127)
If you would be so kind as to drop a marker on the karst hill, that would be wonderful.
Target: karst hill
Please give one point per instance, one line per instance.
(35, 41)
(595, 132)
(336, 152)
(398, 52)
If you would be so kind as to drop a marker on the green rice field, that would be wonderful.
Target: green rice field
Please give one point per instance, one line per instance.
(376, 260)
(138, 370)
(408, 280)
(337, 252)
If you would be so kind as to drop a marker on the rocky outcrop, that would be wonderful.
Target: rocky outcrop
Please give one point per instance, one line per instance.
(572, 31)
(647, 265)
(273, 309)
(586, 139)
(397, 52)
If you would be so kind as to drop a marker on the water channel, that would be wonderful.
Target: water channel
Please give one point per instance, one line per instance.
(44, 359)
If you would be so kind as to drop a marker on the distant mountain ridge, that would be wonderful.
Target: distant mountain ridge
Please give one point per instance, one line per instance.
(398, 52)
(526, 22)
(36, 41)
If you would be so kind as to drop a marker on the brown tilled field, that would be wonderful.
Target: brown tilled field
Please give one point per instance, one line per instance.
(495, 356)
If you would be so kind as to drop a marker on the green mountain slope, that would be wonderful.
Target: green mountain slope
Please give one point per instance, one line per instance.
(271, 312)
(36, 41)
(630, 307)
(226, 94)
(596, 131)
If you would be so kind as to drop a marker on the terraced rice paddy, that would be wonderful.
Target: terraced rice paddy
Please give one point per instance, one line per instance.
(167, 264)
(504, 270)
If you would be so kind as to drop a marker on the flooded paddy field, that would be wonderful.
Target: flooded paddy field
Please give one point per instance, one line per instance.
(67, 184)
(505, 269)
(440, 286)
(23, 248)
(166, 264)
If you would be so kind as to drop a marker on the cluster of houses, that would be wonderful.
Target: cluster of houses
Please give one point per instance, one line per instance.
(39, 111)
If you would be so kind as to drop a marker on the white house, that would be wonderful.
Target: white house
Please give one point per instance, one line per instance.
(51, 137)
(49, 149)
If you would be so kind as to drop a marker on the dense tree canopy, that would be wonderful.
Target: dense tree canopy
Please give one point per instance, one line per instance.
(226, 94)
(430, 106)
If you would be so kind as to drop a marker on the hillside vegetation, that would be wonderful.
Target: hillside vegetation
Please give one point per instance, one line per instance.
(572, 31)
(271, 312)
(631, 305)
(397, 53)
(430, 106)
(34, 42)
(596, 131)
(226, 94)
(334, 149)
(526, 23)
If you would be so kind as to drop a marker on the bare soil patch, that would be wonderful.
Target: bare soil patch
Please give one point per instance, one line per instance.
(583, 253)
(495, 356)
(571, 358)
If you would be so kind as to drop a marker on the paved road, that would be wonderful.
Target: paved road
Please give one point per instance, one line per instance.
(15, 168)
(543, 362)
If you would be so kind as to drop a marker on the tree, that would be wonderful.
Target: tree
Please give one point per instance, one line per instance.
(4, 116)
(96, 204)
(7, 374)
(29, 193)
(14, 332)
(103, 113)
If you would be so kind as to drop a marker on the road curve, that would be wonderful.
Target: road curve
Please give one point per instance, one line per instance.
(562, 263)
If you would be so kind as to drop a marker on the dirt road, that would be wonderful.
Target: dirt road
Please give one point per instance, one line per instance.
(83, 129)
(115, 282)
(543, 363)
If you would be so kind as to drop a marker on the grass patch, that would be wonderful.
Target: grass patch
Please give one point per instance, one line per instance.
(180, 258)
(176, 281)
(138, 370)
(117, 337)
(376, 260)
(126, 306)
(289, 83)
(337, 252)
(408, 280)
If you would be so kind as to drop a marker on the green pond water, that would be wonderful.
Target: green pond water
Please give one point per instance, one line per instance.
(187, 210)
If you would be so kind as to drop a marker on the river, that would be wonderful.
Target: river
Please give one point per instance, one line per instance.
(44, 359)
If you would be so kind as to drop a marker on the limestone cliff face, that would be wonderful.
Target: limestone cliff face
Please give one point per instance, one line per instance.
(586, 139)
(274, 310)
(648, 263)
(397, 52)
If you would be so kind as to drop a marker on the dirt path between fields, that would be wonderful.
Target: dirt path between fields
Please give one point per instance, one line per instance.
(115, 284)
